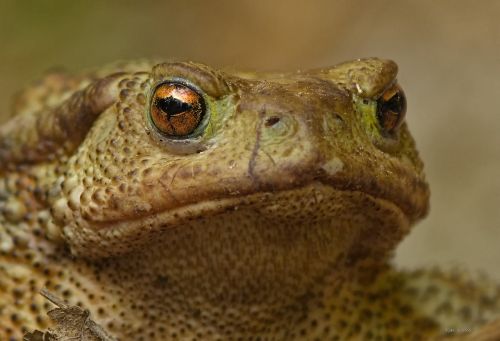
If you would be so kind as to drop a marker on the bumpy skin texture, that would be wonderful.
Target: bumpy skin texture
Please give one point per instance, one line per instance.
(276, 223)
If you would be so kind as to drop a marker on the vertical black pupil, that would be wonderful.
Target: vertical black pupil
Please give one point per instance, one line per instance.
(172, 106)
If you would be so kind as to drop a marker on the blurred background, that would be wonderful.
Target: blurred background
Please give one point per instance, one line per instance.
(448, 53)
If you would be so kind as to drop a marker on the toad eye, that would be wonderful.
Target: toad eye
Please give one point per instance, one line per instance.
(176, 109)
(391, 109)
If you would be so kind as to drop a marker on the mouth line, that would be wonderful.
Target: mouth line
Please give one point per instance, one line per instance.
(414, 205)
(220, 205)
(141, 230)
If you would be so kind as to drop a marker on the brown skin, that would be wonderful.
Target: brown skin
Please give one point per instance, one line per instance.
(275, 218)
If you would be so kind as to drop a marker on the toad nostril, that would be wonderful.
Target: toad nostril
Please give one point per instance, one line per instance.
(272, 121)
(338, 117)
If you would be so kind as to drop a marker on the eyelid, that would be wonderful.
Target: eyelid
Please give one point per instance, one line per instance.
(389, 93)
(198, 75)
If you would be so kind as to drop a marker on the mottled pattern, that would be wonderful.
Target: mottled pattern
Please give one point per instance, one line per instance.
(276, 223)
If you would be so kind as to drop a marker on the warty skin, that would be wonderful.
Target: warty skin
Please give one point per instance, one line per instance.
(275, 220)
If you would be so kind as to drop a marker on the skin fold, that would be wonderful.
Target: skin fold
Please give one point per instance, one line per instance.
(273, 217)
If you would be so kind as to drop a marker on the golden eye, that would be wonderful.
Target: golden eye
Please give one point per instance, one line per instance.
(176, 109)
(391, 109)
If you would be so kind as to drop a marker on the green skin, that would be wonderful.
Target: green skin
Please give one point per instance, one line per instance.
(275, 218)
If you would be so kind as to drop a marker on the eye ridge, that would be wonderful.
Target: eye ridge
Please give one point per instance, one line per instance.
(173, 106)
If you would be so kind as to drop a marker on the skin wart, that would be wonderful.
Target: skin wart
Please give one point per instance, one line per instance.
(273, 218)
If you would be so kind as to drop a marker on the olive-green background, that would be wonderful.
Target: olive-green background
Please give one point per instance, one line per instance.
(448, 53)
